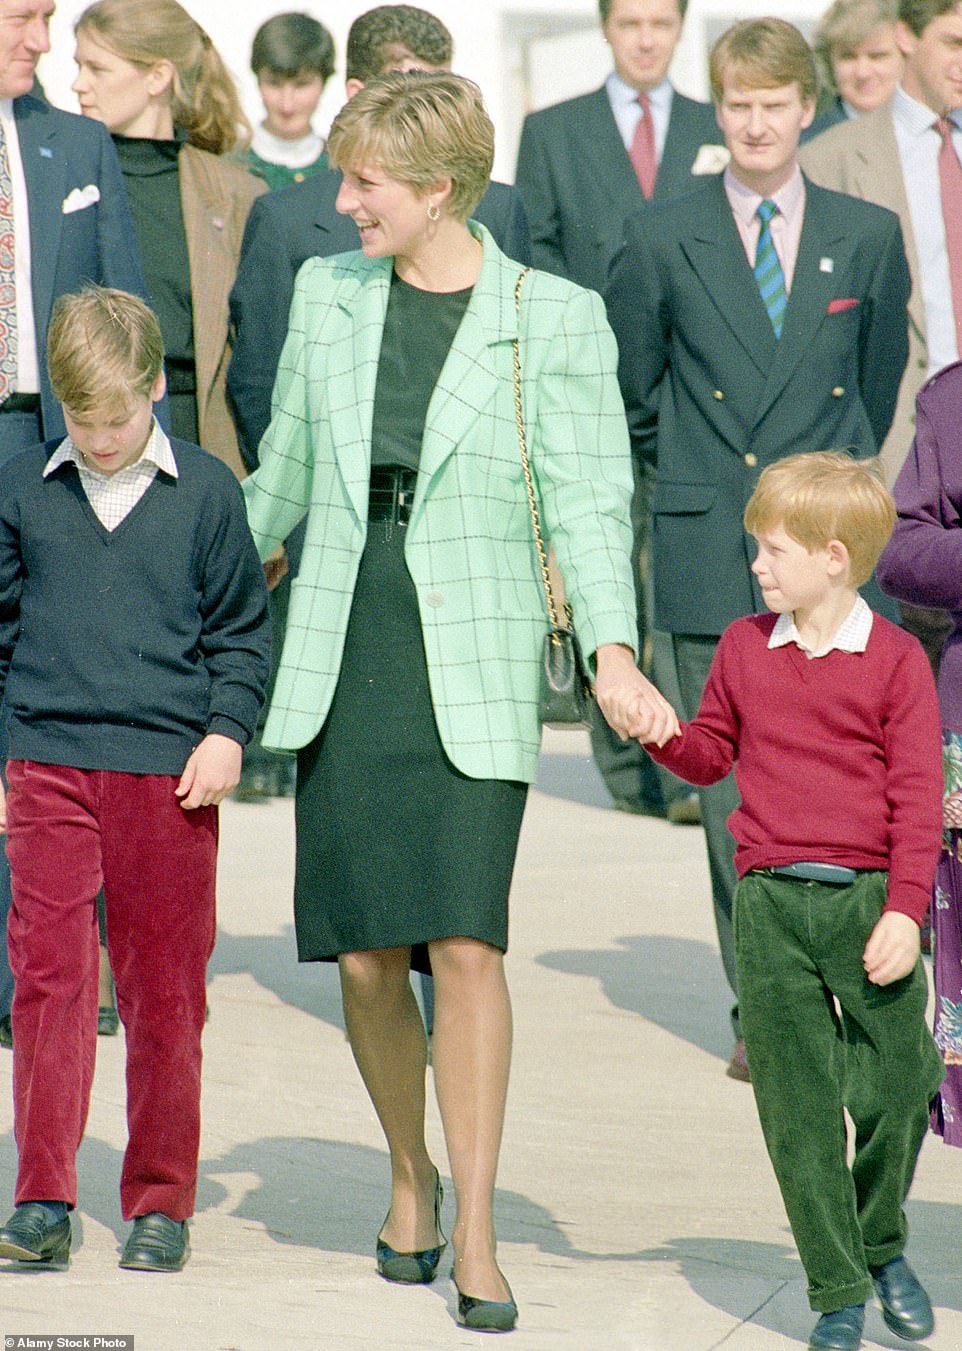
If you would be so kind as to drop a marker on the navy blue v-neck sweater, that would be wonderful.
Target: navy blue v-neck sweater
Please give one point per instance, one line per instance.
(122, 649)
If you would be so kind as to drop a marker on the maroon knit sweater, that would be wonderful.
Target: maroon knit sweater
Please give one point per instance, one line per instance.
(837, 758)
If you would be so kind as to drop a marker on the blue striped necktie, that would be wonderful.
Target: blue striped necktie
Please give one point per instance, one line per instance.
(768, 270)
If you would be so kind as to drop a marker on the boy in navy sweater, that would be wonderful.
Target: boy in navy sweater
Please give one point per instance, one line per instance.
(134, 651)
(828, 714)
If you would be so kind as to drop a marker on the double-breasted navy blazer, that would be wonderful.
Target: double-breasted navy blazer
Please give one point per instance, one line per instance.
(81, 229)
(713, 397)
(283, 230)
(578, 185)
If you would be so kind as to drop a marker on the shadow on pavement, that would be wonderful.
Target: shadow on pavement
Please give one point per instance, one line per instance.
(676, 983)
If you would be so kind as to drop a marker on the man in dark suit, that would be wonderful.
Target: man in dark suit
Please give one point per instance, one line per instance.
(581, 172)
(286, 228)
(575, 163)
(755, 318)
(68, 224)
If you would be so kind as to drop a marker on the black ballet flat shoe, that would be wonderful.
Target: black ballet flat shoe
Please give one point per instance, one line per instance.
(485, 1315)
(30, 1236)
(840, 1330)
(108, 1021)
(413, 1268)
(905, 1305)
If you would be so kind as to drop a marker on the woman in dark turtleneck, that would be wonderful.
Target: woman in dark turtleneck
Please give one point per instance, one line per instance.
(150, 73)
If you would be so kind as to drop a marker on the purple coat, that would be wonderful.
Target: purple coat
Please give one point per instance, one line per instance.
(923, 561)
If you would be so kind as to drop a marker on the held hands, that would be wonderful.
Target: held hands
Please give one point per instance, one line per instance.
(212, 771)
(892, 949)
(275, 567)
(631, 704)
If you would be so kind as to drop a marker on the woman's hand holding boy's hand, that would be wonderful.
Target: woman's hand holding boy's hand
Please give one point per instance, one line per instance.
(631, 704)
(212, 772)
(892, 949)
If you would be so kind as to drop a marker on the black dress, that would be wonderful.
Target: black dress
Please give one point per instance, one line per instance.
(396, 847)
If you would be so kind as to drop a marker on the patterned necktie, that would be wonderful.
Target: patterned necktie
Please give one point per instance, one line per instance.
(8, 287)
(768, 269)
(950, 182)
(644, 161)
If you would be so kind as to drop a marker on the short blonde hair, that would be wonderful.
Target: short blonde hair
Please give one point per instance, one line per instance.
(825, 495)
(104, 349)
(845, 25)
(762, 54)
(419, 128)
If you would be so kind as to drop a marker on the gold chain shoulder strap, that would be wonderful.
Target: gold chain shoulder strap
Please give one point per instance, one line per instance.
(526, 467)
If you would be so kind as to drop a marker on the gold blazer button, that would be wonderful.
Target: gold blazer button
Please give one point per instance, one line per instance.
(838, 391)
(718, 394)
(751, 460)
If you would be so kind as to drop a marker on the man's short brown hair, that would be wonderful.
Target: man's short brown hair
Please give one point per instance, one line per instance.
(763, 54)
(918, 14)
(104, 349)
(604, 9)
(383, 36)
(825, 495)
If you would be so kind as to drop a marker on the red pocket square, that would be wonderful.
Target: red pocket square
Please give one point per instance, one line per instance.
(837, 306)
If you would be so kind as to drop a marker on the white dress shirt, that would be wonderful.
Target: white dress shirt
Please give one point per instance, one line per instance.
(919, 144)
(627, 110)
(852, 634)
(114, 496)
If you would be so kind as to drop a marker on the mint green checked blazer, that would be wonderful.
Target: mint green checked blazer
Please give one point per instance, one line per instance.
(469, 545)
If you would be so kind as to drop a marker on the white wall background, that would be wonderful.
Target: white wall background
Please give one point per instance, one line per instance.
(523, 53)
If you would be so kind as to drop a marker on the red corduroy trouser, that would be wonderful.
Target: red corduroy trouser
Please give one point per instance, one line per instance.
(71, 831)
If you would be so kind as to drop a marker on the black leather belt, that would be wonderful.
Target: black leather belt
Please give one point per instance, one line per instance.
(392, 494)
(833, 873)
(21, 403)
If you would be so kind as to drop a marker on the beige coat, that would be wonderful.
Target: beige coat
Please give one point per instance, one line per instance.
(216, 197)
(861, 157)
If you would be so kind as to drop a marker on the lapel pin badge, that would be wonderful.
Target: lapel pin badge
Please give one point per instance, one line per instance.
(826, 264)
(46, 152)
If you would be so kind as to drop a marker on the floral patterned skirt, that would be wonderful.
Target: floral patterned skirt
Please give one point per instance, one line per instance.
(947, 961)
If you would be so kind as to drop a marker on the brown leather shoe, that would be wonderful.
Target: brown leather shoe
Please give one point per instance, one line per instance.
(738, 1065)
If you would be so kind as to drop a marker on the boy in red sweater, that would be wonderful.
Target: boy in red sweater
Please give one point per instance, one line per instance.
(828, 714)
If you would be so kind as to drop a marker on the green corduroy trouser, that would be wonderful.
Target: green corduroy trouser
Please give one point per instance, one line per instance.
(821, 1037)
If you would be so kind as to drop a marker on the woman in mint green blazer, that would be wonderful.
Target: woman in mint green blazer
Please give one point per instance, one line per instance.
(409, 673)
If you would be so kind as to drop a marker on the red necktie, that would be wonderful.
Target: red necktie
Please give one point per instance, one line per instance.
(642, 153)
(950, 181)
(8, 289)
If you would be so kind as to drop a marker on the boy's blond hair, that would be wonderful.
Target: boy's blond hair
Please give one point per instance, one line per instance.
(104, 349)
(825, 495)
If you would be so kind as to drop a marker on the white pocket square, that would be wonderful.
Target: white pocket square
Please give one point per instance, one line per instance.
(711, 159)
(79, 198)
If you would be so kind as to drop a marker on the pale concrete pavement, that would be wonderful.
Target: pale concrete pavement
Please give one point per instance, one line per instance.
(637, 1208)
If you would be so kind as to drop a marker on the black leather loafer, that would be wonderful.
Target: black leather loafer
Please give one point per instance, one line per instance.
(156, 1243)
(486, 1315)
(108, 1021)
(905, 1305)
(839, 1331)
(29, 1236)
(413, 1268)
